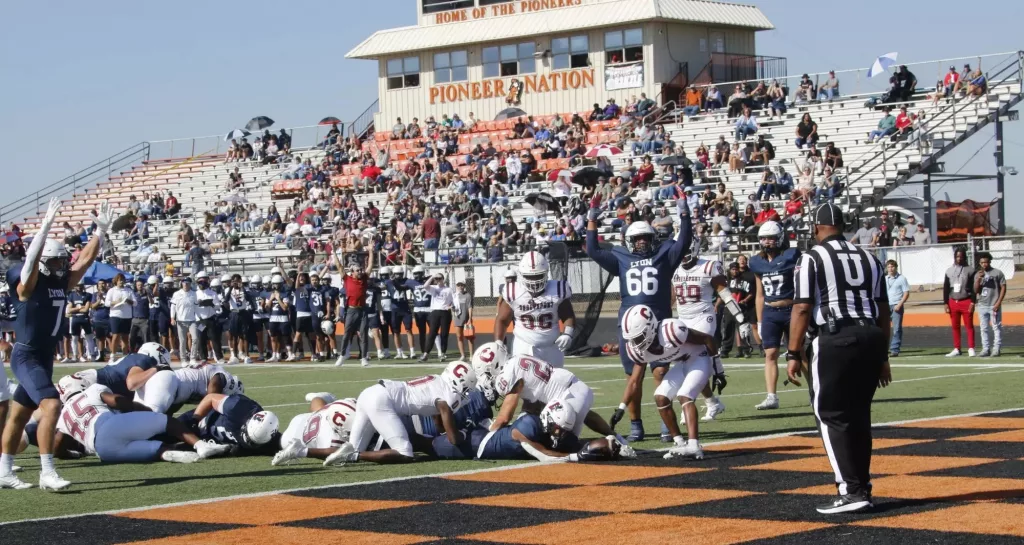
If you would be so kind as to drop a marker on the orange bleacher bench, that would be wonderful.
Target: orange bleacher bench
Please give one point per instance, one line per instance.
(287, 188)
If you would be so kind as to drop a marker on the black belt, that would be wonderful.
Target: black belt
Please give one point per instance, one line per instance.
(823, 329)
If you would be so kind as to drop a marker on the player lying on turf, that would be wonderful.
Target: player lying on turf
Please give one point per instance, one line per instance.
(380, 409)
(236, 421)
(130, 372)
(117, 430)
(689, 352)
(166, 391)
(539, 383)
(548, 437)
(320, 432)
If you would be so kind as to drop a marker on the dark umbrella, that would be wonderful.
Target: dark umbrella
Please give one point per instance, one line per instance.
(509, 113)
(329, 121)
(259, 123)
(543, 200)
(587, 176)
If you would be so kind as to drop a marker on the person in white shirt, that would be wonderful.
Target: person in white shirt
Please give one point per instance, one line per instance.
(183, 317)
(207, 303)
(440, 319)
(120, 299)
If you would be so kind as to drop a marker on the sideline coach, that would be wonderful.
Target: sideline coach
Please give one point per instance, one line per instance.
(841, 298)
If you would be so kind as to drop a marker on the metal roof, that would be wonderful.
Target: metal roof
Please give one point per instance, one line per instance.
(594, 13)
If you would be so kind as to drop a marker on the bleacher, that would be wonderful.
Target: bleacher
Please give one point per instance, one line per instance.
(871, 170)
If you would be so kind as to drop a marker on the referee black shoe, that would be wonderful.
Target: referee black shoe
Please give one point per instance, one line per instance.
(848, 503)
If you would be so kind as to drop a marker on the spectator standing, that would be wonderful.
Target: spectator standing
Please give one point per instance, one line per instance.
(959, 295)
(906, 82)
(440, 318)
(990, 285)
(898, 290)
(356, 283)
(183, 317)
(462, 311)
(120, 299)
(866, 236)
(922, 236)
(431, 231)
(139, 334)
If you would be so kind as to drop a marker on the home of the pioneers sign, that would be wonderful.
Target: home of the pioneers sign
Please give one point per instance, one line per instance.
(511, 8)
(494, 88)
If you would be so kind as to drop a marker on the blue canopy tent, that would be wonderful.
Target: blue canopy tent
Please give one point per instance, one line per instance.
(102, 271)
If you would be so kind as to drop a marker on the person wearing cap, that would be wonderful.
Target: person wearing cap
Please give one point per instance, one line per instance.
(842, 301)
(830, 89)
(866, 236)
(950, 81)
(183, 318)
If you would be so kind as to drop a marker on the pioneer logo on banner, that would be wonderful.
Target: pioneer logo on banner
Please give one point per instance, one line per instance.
(625, 76)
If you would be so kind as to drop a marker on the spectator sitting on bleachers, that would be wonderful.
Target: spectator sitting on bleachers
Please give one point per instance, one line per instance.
(737, 100)
(722, 152)
(904, 124)
(717, 239)
(805, 185)
(784, 181)
(806, 132)
(805, 91)
(185, 234)
(768, 186)
(814, 159)
(644, 140)
(759, 97)
(776, 100)
(794, 208)
(412, 130)
(369, 177)
(398, 131)
(886, 126)
(833, 156)
(234, 151)
(831, 187)
(668, 188)
(611, 111)
(746, 125)
(766, 214)
(644, 106)
(694, 99)
(713, 99)
(595, 113)
(906, 82)
(764, 151)
(739, 157)
(830, 89)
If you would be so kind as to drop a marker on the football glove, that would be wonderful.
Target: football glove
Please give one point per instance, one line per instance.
(682, 207)
(104, 218)
(593, 214)
(718, 382)
(617, 415)
(563, 341)
(51, 214)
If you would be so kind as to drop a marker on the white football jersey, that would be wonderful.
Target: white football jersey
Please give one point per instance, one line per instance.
(536, 317)
(673, 347)
(695, 296)
(192, 383)
(327, 428)
(418, 396)
(541, 381)
(80, 413)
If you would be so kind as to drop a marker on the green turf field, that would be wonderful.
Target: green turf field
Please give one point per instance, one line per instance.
(926, 385)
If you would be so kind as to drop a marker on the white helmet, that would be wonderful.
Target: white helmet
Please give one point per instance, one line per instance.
(169, 280)
(54, 259)
(256, 279)
(267, 280)
(341, 414)
(152, 280)
(384, 271)
(225, 278)
(639, 327)
(557, 419)
(260, 429)
(277, 279)
(232, 385)
(216, 283)
(275, 270)
(202, 274)
(72, 385)
(770, 231)
(640, 238)
(418, 270)
(398, 271)
(327, 327)
(487, 362)
(157, 352)
(533, 268)
(460, 376)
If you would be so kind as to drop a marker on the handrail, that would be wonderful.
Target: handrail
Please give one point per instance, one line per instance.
(362, 123)
(70, 185)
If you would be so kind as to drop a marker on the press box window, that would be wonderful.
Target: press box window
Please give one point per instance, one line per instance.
(403, 73)
(570, 52)
(509, 60)
(450, 67)
(434, 6)
(624, 46)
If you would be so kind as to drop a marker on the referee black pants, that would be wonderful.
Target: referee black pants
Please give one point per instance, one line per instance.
(421, 329)
(440, 324)
(727, 327)
(844, 370)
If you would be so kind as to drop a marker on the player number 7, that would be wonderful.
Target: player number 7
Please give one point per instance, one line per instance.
(59, 304)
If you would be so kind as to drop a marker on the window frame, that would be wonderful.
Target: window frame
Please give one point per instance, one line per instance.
(622, 47)
(500, 66)
(406, 73)
(571, 53)
(451, 67)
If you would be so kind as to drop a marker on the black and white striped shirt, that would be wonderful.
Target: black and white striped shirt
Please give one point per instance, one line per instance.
(838, 275)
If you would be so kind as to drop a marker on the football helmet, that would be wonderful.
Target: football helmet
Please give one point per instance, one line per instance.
(275, 270)
(169, 280)
(256, 280)
(327, 327)
(460, 376)
(384, 272)
(157, 352)
(268, 279)
(71, 385)
(487, 362)
(54, 258)
(397, 272)
(216, 283)
(558, 419)
(693, 255)
(341, 414)
(277, 281)
(225, 278)
(419, 272)
(152, 280)
(639, 327)
(770, 236)
(260, 429)
(640, 238)
(533, 268)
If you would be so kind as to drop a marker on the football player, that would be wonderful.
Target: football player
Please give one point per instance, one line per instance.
(421, 306)
(236, 421)
(258, 327)
(645, 273)
(166, 391)
(42, 284)
(308, 303)
(240, 319)
(774, 268)
(276, 305)
(130, 372)
(116, 431)
(380, 409)
(537, 382)
(320, 432)
(689, 351)
(383, 281)
(536, 305)
(695, 284)
(401, 313)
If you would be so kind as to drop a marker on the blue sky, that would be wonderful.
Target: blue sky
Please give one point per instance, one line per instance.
(85, 80)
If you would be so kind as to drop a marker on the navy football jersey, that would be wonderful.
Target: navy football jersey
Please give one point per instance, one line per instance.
(399, 298)
(6, 307)
(776, 275)
(644, 280)
(473, 413)
(372, 297)
(38, 320)
(115, 376)
(317, 305)
(302, 302)
(277, 314)
(225, 427)
(420, 297)
(76, 299)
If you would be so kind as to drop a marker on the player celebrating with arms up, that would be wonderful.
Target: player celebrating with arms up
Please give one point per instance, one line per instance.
(536, 304)
(774, 268)
(644, 273)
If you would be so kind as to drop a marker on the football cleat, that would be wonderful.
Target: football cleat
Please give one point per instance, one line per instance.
(971, 353)
(636, 431)
(326, 396)
(290, 452)
(364, 362)
(233, 360)
(209, 449)
(769, 403)
(712, 410)
(954, 353)
(340, 361)
(345, 454)
(179, 456)
(247, 361)
(13, 482)
(691, 449)
(849, 503)
(51, 481)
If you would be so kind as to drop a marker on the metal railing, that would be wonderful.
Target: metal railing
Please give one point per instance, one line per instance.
(362, 124)
(76, 183)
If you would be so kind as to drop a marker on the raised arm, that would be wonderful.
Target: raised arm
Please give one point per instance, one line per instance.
(684, 238)
(88, 254)
(30, 270)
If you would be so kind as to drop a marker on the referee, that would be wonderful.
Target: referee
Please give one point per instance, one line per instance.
(840, 297)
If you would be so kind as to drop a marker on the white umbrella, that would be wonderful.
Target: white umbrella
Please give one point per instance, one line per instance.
(604, 150)
(237, 133)
(882, 64)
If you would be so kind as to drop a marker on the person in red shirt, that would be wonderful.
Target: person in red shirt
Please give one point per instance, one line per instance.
(767, 213)
(431, 231)
(950, 81)
(356, 282)
(904, 122)
(645, 173)
(369, 176)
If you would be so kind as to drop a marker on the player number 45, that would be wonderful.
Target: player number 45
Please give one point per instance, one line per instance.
(642, 281)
